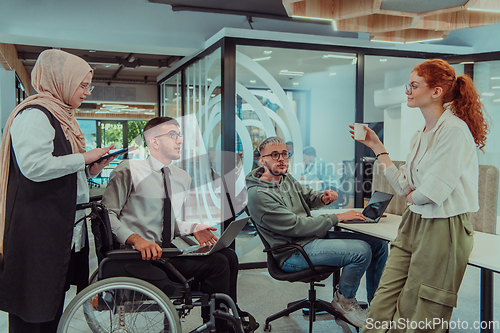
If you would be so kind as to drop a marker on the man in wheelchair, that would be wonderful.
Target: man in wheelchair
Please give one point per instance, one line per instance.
(143, 196)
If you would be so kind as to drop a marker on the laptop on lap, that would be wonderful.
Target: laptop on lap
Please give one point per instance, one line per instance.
(375, 208)
(224, 240)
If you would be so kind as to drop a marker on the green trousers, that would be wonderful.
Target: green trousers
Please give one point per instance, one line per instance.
(418, 288)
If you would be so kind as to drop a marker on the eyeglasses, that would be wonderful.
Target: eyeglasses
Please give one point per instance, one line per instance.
(275, 155)
(173, 135)
(408, 89)
(87, 88)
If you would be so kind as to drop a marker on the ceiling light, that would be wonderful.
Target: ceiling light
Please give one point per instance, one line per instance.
(268, 52)
(332, 74)
(496, 100)
(488, 94)
(495, 87)
(383, 60)
(334, 25)
(114, 106)
(340, 56)
(466, 62)
(209, 80)
(295, 83)
(425, 40)
(107, 65)
(485, 10)
(312, 18)
(91, 51)
(253, 81)
(290, 73)
(385, 41)
(261, 59)
(495, 78)
(213, 95)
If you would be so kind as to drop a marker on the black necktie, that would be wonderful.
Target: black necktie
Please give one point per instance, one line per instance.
(167, 210)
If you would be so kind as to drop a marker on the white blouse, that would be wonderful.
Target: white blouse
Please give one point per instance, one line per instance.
(441, 169)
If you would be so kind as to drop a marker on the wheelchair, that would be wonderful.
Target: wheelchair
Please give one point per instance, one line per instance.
(127, 294)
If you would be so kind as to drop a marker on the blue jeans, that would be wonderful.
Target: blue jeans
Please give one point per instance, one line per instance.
(356, 253)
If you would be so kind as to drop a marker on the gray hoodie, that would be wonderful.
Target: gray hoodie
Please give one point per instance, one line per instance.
(282, 212)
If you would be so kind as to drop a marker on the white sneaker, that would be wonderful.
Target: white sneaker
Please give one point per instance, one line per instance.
(350, 308)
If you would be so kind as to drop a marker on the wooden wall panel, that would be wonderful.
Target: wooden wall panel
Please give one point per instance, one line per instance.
(367, 16)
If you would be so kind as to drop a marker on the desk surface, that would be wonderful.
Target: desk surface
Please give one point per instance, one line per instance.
(485, 253)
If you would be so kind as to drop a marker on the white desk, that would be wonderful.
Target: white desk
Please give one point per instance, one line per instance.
(484, 254)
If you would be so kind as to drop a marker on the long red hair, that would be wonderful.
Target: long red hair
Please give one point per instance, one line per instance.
(460, 93)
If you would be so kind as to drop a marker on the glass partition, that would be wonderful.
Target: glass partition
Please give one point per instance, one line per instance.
(201, 127)
(307, 98)
(171, 97)
(487, 82)
(385, 107)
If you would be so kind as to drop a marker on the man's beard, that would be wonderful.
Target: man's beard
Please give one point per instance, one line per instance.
(280, 173)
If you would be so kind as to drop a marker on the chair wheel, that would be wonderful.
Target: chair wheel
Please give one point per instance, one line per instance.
(267, 328)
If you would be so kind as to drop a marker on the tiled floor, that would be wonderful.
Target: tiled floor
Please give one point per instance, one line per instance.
(262, 296)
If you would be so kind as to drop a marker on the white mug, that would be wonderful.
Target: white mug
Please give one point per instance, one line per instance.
(359, 131)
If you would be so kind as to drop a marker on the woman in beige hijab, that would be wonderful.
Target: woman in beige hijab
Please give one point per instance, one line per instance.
(42, 178)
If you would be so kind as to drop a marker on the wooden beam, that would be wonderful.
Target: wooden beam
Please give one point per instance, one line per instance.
(288, 4)
(8, 56)
(484, 4)
(9, 61)
(333, 9)
(368, 17)
(458, 20)
(409, 35)
(375, 23)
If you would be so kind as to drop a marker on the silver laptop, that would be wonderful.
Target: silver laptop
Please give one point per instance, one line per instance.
(224, 240)
(375, 208)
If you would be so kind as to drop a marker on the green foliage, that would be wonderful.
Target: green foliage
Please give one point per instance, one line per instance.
(112, 134)
(135, 128)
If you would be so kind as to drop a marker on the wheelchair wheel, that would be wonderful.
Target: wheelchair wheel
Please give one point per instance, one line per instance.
(120, 305)
(93, 277)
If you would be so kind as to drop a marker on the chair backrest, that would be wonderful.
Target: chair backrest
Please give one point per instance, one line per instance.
(380, 183)
(484, 220)
(272, 265)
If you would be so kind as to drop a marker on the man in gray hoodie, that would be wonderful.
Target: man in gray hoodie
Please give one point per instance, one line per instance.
(281, 210)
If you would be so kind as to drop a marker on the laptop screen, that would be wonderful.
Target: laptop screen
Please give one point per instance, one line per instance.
(377, 205)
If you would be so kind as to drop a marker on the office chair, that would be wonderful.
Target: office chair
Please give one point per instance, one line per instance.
(312, 275)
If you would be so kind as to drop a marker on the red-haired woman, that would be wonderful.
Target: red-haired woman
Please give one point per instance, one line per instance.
(439, 180)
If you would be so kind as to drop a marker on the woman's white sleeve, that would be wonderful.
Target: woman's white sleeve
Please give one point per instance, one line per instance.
(32, 138)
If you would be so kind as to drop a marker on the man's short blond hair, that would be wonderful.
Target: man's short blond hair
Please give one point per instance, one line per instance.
(272, 140)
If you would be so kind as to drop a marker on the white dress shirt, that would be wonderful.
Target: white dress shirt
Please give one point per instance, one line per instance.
(134, 197)
(32, 138)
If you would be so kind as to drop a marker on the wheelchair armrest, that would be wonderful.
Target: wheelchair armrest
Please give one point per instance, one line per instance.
(299, 248)
(134, 254)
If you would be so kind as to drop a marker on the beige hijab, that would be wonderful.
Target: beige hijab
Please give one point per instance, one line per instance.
(55, 76)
